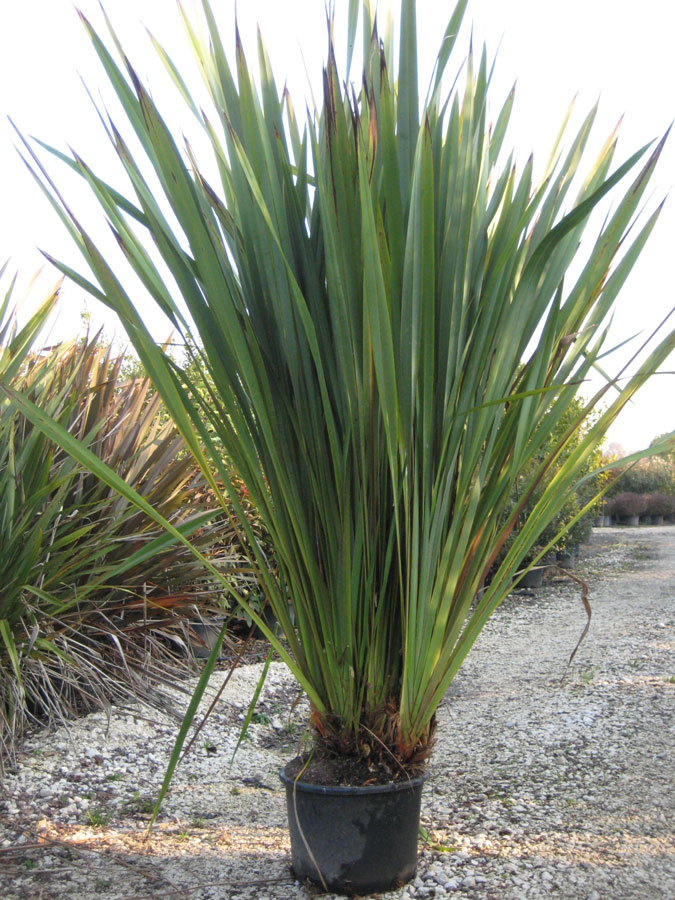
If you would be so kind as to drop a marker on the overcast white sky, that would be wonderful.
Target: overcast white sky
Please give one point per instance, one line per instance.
(614, 49)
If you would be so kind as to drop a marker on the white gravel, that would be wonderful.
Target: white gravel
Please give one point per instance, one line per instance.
(538, 788)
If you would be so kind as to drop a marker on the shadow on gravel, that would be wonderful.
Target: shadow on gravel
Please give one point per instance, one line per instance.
(174, 862)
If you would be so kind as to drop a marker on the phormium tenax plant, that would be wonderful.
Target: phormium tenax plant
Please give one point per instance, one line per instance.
(391, 319)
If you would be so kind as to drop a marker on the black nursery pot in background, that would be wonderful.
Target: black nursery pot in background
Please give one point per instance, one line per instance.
(532, 579)
(354, 840)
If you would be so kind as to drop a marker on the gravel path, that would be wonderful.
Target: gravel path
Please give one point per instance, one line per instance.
(538, 788)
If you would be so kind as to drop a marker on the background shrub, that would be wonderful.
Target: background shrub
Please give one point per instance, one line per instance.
(628, 503)
(653, 479)
(96, 601)
(660, 504)
(576, 501)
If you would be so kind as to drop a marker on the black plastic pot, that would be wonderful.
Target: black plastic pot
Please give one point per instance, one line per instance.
(630, 520)
(532, 579)
(354, 840)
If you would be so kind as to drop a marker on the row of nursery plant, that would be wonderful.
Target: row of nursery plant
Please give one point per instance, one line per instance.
(627, 504)
(95, 598)
(645, 488)
(571, 524)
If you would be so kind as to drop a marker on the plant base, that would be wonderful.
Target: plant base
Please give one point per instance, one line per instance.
(354, 840)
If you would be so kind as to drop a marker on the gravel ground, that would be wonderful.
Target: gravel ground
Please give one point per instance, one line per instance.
(539, 787)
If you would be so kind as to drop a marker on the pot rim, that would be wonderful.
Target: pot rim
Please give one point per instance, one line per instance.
(358, 789)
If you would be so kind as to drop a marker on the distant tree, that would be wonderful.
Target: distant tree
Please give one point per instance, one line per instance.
(669, 457)
(648, 476)
(616, 450)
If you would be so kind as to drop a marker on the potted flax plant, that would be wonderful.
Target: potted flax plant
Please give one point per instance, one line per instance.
(384, 340)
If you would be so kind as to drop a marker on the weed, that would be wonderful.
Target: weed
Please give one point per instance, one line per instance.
(98, 817)
(261, 718)
(101, 884)
(210, 747)
(115, 776)
(198, 822)
(426, 838)
(138, 804)
(670, 679)
(587, 675)
(29, 863)
(236, 791)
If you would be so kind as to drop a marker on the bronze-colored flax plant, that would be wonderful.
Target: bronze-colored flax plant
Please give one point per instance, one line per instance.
(93, 595)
